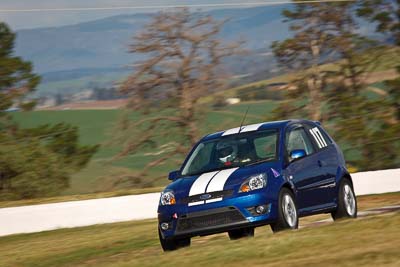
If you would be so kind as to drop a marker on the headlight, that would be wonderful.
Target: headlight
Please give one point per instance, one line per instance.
(167, 198)
(254, 182)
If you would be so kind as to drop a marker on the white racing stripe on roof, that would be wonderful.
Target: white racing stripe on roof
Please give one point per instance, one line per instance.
(251, 127)
(199, 186)
(247, 128)
(231, 131)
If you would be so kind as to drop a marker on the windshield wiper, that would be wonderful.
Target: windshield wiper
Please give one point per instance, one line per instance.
(260, 161)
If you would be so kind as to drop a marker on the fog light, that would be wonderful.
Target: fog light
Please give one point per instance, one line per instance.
(164, 226)
(260, 209)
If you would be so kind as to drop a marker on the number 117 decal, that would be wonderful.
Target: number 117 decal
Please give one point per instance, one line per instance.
(318, 137)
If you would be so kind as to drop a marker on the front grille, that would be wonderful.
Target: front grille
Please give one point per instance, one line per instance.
(209, 219)
(196, 198)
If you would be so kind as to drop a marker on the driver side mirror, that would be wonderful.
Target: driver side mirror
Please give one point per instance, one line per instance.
(173, 175)
(297, 154)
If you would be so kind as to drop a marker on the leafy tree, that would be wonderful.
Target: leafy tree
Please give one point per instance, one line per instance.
(16, 77)
(386, 15)
(29, 170)
(37, 161)
(182, 62)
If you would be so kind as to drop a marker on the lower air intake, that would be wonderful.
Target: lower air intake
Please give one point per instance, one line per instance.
(211, 219)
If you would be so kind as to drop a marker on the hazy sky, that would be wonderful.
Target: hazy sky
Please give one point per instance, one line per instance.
(24, 19)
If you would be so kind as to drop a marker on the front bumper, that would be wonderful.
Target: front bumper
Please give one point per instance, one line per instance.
(228, 214)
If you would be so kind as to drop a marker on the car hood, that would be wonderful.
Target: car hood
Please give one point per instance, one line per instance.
(225, 179)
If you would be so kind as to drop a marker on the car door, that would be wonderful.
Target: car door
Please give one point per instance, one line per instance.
(305, 173)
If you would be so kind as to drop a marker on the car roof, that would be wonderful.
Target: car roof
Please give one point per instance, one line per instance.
(255, 127)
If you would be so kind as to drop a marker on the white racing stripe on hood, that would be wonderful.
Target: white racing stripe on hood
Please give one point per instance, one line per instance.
(214, 200)
(196, 203)
(218, 182)
(199, 186)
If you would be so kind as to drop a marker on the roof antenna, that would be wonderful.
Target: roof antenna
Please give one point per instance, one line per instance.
(244, 117)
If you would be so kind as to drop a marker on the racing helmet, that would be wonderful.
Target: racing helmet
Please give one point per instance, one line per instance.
(226, 151)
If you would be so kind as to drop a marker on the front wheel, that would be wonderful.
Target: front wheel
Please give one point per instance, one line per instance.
(287, 212)
(240, 233)
(173, 244)
(347, 202)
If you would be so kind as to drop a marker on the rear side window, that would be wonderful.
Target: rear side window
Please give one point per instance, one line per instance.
(320, 137)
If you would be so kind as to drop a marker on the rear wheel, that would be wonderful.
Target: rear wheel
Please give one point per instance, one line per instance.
(347, 202)
(173, 244)
(240, 233)
(287, 212)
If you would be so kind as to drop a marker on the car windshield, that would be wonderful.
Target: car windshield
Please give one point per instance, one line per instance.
(232, 151)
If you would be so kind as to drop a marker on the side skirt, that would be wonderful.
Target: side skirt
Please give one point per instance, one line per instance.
(324, 208)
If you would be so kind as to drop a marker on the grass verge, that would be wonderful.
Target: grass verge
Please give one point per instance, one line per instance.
(373, 241)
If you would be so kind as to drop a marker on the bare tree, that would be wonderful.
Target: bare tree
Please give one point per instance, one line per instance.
(183, 57)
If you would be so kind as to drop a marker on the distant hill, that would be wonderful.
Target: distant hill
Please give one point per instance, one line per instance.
(69, 57)
(104, 43)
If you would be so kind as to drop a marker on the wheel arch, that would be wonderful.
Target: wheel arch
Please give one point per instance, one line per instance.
(347, 176)
(289, 186)
(342, 174)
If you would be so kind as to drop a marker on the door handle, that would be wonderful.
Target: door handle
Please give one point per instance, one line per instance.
(320, 163)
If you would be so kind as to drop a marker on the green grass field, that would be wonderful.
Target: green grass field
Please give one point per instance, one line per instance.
(371, 241)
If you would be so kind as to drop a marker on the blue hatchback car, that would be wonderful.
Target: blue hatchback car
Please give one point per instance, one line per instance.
(267, 173)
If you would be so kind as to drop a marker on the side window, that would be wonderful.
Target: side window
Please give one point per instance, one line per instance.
(298, 139)
(320, 137)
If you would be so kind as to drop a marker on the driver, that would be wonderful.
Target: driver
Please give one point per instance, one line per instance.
(227, 152)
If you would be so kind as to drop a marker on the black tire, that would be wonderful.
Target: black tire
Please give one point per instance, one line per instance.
(347, 201)
(240, 233)
(173, 244)
(282, 223)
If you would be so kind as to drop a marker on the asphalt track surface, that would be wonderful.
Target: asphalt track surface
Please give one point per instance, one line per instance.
(36, 218)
